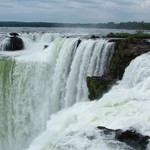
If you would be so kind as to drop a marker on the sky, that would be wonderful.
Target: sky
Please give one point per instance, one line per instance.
(75, 11)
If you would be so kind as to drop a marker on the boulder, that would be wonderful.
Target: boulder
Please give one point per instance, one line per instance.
(131, 137)
(15, 43)
(97, 86)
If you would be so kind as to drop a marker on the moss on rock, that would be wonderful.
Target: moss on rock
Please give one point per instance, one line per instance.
(97, 86)
(125, 51)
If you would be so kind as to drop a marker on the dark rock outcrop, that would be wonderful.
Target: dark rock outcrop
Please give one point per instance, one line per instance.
(94, 37)
(79, 41)
(15, 43)
(45, 46)
(98, 85)
(125, 51)
(131, 137)
(114, 39)
(14, 34)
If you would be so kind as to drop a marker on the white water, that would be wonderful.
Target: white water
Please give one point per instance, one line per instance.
(126, 105)
(35, 83)
(4, 40)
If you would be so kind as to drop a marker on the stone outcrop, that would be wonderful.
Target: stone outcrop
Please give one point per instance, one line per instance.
(45, 46)
(131, 137)
(125, 51)
(98, 85)
(13, 34)
(79, 42)
(15, 43)
(94, 37)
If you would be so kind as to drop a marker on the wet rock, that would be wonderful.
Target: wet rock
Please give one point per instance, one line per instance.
(13, 34)
(106, 131)
(97, 86)
(79, 41)
(114, 39)
(94, 37)
(131, 137)
(15, 43)
(45, 46)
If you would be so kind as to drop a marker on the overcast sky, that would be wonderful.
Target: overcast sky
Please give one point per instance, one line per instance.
(75, 11)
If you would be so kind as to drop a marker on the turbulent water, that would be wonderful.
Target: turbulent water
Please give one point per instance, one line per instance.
(125, 106)
(38, 82)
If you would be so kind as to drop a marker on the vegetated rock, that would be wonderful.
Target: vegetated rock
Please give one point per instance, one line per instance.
(97, 86)
(125, 51)
(15, 43)
(131, 137)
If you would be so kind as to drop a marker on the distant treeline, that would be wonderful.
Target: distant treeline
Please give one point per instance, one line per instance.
(111, 25)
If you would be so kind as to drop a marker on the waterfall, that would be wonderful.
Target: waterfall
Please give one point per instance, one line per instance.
(125, 106)
(4, 42)
(37, 82)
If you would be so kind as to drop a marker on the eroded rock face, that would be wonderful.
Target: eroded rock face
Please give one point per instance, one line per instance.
(131, 137)
(125, 51)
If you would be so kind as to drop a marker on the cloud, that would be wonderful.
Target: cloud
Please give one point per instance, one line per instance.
(75, 10)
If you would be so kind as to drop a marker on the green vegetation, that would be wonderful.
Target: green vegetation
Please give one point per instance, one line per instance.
(97, 86)
(110, 25)
(138, 34)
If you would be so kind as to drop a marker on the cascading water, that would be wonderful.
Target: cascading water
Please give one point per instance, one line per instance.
(37, 82)
(126, 105)
(72, 68)
(4, 42)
